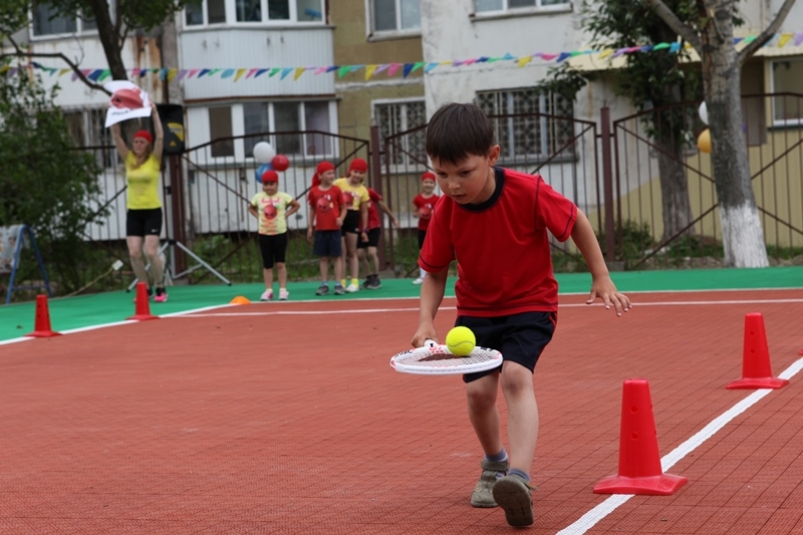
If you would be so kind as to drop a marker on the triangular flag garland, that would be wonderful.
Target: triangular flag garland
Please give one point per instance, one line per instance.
(235, 74)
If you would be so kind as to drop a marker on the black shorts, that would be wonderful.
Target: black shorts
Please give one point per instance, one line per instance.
(421, 235)
(273, 249)
(373, 239)
(519, 337)
(327, 243)
(143, 223)
(351, 223)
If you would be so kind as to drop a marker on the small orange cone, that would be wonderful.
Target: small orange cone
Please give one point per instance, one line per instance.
(143, 308)
(240, 300)
(756, 367)
(640, 469)
(42, 323)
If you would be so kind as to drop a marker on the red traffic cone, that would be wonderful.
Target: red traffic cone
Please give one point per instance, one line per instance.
(639, 464)
(756, 367)
(42, 323)
(143, 309)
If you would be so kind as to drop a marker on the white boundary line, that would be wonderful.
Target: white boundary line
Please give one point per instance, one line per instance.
(598, 513)
(192, 314)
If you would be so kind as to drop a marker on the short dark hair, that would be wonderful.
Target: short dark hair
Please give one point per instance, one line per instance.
(457, 130)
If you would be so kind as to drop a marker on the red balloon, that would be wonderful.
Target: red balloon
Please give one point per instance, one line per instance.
(280, 162)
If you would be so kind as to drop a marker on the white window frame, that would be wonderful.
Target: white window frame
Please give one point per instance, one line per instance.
(231, 17)
(407, 164)
(380, 35)
(79, 29)
(509, 145)
(782, 122)
(506, 11)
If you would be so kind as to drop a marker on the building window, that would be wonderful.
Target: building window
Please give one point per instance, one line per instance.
(291, 118)
(88, 130)
(220, 128)
(528, 123)
(786, 76)
(396, 15)
(397, 117)
(253, 11)
(47, 21)
(486, 6)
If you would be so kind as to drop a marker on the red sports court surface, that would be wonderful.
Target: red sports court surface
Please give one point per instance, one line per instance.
(286, 418)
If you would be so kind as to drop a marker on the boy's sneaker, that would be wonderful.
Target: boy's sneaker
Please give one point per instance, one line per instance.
(267, 295)
(339, 290)
(161, 295)
(323, 289)
(351, 288)
(283, 294)
(483, 490)
(419, 280)
(512, 493)
(373, 282)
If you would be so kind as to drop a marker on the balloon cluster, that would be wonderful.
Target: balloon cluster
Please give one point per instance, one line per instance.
(266, 156)
(704, 139)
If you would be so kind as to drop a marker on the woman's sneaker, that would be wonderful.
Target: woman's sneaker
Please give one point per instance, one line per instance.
(267, 295)
(161, 295)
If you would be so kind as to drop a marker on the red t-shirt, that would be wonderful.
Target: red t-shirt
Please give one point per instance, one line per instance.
(327, 205)
(502, 247)
(373, 213)
(426, 206)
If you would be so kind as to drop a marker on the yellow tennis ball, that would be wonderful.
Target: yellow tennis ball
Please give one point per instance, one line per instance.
(461, 341)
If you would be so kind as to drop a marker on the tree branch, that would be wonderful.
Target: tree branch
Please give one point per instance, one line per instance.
(686, 33)
(19, 52)
(768, 32)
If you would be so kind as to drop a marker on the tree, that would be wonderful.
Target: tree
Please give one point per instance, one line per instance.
(114, 22)
(711, 35)
(656, 80)
(46, 183)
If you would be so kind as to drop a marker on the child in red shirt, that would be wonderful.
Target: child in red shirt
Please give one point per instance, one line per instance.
(327, 211)
(373, 230)
(424, 204)
(509, 298)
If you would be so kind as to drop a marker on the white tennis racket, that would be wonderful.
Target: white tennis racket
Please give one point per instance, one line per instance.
(436, 359)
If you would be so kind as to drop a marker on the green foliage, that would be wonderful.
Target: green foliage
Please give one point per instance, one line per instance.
(45, 183)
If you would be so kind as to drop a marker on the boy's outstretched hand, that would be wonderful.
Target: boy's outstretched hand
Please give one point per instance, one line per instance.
(604, 288)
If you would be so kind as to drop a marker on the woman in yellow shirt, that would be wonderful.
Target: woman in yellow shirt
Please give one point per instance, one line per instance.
(144, 216)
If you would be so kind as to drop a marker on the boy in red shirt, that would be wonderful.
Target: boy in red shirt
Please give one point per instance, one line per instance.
(495, 222)
(424, 204)
(374, 230)
(327, 211)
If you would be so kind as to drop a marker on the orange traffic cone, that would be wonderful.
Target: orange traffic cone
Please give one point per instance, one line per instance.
(143, 309)
(42, 323)
(756, 367)
(639, 463)
(240, 300)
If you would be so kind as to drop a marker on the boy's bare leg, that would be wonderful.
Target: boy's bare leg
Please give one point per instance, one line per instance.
(483, 413)
(338, 269)
(323, 264)
(522, 419)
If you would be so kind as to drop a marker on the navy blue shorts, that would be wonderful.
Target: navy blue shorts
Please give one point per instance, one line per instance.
(519, 337)
(327, 243)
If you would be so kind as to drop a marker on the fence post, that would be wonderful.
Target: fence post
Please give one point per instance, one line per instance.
(376, 174)
(607, 183)
(177, 204)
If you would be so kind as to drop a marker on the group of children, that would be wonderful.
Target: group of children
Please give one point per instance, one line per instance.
(344, 222)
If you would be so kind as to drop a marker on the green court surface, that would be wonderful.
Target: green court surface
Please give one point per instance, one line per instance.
(84, 311)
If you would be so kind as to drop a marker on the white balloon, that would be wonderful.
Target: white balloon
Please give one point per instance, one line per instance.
(703, 111)
(264, 152)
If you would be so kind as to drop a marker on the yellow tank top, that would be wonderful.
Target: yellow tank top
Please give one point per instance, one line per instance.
(143, 183)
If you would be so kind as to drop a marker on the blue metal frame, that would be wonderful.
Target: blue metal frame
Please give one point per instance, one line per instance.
(17, 253)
